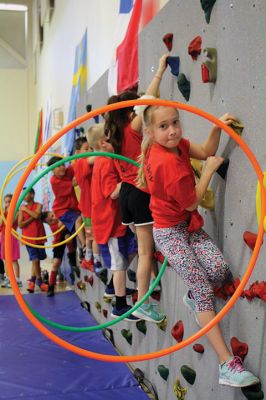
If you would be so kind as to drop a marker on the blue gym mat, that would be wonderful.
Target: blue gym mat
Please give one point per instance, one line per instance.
(33, 367)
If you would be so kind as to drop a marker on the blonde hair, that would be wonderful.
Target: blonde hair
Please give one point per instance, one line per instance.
(145, 145)
(94, 134)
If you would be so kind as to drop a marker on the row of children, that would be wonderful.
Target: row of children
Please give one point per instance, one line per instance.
(160, 201)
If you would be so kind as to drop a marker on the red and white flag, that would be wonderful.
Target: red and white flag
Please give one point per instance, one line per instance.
(132, 18)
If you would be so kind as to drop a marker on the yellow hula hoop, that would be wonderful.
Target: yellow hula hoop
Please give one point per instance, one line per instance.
(10, 175)
(40, 246)
(14, 232)
(259, 201)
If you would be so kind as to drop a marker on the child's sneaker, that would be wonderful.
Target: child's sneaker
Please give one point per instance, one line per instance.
(110, 292)
(117, 313)
(50, 292)
(89, 265)
(44, 287)
(6, 283)
(190, 303)
(149, 313)
(232, 373)
(31, 286)
(2, 278)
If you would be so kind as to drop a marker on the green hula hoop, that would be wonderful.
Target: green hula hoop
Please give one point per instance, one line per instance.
(138, 304)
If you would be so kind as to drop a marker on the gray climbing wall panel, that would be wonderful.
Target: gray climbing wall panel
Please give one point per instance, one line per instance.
(237, 30)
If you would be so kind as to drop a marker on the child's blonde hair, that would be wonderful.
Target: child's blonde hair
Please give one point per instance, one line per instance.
(146, 143)
(94, 134)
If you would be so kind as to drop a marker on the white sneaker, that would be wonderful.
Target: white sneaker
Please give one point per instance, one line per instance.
(6, 283)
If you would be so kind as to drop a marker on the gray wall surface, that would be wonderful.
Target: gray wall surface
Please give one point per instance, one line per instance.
(237, 30)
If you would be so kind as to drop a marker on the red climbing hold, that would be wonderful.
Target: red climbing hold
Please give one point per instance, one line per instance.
(198, 348)
(239, 349)
(178, 331)
(105, 313)
(194, 47)
(168, 40)
(205, 73)
(250, 239)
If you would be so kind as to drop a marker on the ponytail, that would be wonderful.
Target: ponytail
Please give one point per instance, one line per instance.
(145, 145)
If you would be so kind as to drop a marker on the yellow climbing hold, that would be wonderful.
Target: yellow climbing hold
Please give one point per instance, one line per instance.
(179, 390)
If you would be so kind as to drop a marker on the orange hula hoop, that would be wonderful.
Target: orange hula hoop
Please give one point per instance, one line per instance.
(218, 317)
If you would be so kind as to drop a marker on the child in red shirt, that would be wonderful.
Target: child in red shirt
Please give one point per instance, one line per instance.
(31, 225)
(58, 251)
(178, 231)
(15, 245)
(83, 172)
(125, 130)
(115, 244)
(65, 205)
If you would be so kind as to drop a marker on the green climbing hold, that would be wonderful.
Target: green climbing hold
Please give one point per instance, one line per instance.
(127, 334)
(179, 391)
(207, 6)
(141, 326)
(163, 371)
(253, 392)
(188, 373)
(184, 86)
(98, 306)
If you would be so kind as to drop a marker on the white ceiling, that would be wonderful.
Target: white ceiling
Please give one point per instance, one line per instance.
(13, 39)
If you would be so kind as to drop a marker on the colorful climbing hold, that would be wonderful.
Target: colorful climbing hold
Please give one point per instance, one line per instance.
(250, 239)
(131, 275)
(207, 201)
(98, 306)
(179, 390)
(198, 348)
(105, 313)
(209, 66)
(237, 126)
(162, 325)
(188, 373)
(141, 326)
(207, 6)
(163, 371)
(184, 86)
(177, 331)
(239, 349)
(168, 40)
(127, 334)
(222, 170)
(253, 392)
(88, 107)
(194, 47)
(81, 285)
(173, 63)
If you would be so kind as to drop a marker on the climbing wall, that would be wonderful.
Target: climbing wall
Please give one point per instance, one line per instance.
(236, 29)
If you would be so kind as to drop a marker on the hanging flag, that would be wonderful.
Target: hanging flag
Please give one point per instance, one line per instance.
(78, 89)
(133, 16)
(39, 134)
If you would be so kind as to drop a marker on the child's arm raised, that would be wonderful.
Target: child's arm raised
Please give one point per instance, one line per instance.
(152, 90)
(210, 146)
(212, 164)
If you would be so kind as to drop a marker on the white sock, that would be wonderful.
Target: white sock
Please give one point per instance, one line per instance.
(88, 254)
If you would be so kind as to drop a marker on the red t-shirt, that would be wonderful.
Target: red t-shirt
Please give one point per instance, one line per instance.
(171, 183)
(131, 148)
(106, 219)
(35, 228)
(65, 196)
(83, 173)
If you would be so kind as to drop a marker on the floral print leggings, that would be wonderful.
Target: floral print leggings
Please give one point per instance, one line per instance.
(196, 259)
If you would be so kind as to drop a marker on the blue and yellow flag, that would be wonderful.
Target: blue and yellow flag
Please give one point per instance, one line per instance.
(78, 88)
